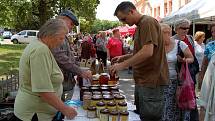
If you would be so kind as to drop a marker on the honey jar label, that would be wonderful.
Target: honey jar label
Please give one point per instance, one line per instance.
(124, 118)
(113, 118)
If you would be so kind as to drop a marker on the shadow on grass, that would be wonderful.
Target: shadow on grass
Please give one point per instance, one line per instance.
(9, 61)
(13, 46)
(12, 56)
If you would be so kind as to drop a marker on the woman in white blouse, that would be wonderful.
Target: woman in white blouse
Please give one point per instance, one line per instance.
(199, 52)
(171, 112)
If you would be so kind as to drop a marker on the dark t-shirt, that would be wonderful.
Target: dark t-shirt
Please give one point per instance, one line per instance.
(153, 71)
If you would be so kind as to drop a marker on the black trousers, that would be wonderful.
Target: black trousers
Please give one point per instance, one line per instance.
(14, 118)
(102, 55)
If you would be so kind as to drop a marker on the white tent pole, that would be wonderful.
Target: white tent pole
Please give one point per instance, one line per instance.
(194, 28)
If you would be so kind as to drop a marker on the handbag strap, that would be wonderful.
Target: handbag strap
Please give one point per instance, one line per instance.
(178, 48)
(177, 62)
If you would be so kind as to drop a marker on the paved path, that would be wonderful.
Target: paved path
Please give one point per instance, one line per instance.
(6, 41)
(126, 84)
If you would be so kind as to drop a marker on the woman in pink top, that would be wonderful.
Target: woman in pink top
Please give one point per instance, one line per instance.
(114, 45)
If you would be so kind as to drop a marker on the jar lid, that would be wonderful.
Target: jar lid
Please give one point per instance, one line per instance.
(84, 88)
(126, 113)
(91, 108)
(87, 96)
(114, 112)
(87, 93)
(115, 92)
(96, 97)
(122, 103)
(94, 87)
(96, 93)
(106, 92)
(104, 74)
(119, 97)
(100, 104)
(104, 88)
(111, 104)
(104, 111)
(114, 88)
(104, 85)
(108, 97)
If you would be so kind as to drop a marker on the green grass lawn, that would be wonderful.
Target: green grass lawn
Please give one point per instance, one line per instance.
(9, 57)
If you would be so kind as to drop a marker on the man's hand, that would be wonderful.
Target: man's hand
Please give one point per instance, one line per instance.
(117, 67)
(116, 59)
(87, 74)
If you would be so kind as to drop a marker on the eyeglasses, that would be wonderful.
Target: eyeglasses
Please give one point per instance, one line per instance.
(184, 28)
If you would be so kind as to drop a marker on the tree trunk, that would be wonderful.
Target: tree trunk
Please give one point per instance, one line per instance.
(43, 11)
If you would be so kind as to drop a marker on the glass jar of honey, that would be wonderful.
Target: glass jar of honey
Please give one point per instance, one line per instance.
(86, 101)
(95, 80)
(122, 106)
(83, 89)
(99, 107)
(91, 113)
(114, 93)
(111, 106)
(119, 98)
(95, 99)
(104, 113)
(108, 98)
(103, 79)
(123, 116)
(113, 115)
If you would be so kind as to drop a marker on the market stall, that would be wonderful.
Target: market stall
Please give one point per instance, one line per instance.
(100, 99)
(198, 11)
(82, 114)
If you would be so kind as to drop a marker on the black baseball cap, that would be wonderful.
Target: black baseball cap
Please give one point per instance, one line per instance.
(71, 16)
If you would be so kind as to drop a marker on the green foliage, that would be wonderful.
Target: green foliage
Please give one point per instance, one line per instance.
(31, 14)
(9, 57)
(102, 25)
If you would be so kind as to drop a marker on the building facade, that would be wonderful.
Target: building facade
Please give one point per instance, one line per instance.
(159, 8)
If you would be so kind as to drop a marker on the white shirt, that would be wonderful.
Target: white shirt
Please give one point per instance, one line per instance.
(172, 58)
(199, 53)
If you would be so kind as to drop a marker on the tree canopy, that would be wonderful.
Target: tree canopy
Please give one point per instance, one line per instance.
(31, 14)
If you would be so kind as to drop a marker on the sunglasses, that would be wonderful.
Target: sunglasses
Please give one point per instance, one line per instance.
(184, 28)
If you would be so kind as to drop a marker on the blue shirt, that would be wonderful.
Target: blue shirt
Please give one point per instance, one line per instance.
(209, 49)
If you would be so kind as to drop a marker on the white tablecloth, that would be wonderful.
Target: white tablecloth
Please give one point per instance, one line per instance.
(82, 114)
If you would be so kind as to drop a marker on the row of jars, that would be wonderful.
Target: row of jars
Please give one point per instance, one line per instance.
(92, 100)
(105, 114)
(105, 79)
(100, 90)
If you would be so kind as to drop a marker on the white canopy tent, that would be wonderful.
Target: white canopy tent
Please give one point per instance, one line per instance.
(198, 11)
